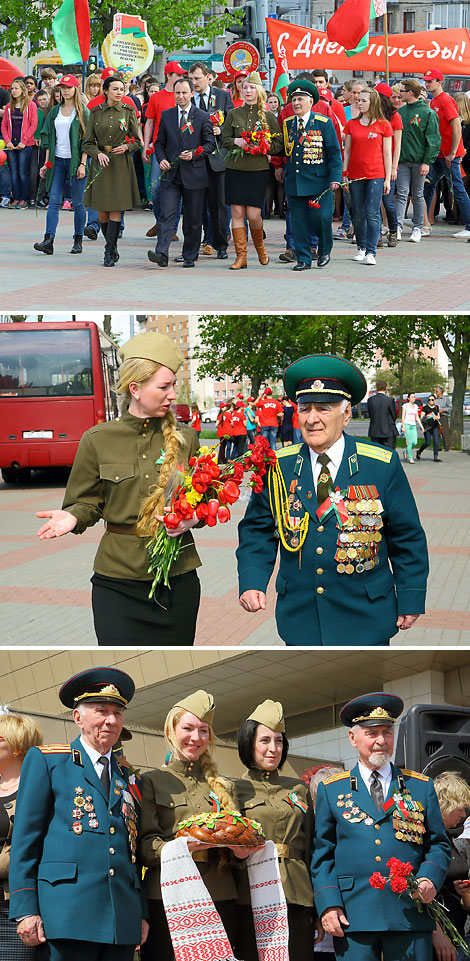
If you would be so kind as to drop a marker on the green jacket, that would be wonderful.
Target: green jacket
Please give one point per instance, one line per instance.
(116, 466)
(245, 118)
(421, 140)
(76, 142)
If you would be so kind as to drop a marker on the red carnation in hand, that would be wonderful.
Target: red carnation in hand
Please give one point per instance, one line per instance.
(399, 869)
(398, 884)
(149, 151)
(377, 880)
(198, 151)
(48, 165)
(313, 203)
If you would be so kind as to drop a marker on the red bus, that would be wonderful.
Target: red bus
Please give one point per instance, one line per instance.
(55, 383)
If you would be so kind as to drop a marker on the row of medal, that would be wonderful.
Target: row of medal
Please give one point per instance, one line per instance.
(83, 806)
(409, 829)
(359, 538)
(129, 814)
(354, 814)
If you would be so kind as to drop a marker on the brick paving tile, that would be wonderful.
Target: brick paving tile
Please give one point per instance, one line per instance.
(44, 585)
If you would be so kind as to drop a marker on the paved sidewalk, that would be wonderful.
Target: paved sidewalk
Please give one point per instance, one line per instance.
(45, 591)
(431, 275)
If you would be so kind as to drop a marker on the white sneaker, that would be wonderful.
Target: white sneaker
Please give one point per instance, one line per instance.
(463, 234)
(360, 255)
(5, 201)
(369, 259)
(410, 460)
(399, 232)
(415, 235)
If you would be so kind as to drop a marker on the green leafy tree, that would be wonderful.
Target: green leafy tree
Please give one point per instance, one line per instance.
(453, 331)
(417, 373)
(170, 25)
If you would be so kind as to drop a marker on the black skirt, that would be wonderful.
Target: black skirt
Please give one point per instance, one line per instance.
(246, 187)
(124, 615)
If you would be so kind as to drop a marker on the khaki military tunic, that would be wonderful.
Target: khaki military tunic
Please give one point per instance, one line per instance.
(115, 188)
(262, 795)
(171, 795)
(115, 469)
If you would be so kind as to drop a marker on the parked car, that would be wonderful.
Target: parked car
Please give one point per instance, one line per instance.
(466, 404)
(209, 416)
(355, 412)
(182, 413)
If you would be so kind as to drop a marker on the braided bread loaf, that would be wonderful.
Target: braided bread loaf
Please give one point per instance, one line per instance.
(225, 828)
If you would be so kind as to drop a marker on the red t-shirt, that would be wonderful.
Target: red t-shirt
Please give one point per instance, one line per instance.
(101, 98)
(159, 101)
(295, 417)
(367, 158)
(196, 420)
(446, 109)
(238, 423)
(267, 413)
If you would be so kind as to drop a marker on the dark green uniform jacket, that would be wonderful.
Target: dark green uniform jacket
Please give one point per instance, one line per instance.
(82, 882)
(278, 804)
(246, 118)
(115, 186)
(353, 840)
(317, 604)
(316, 162)
(171, 795)
(116, 466)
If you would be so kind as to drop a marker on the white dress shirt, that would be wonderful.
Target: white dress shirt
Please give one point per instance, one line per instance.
(180, 112)
(305, 118)
(384, 773)
(335, 453)
(94, 755)
(205, 97)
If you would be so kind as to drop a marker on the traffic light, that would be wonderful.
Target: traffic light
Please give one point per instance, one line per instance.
(92, 63)
(281, 10)
(247, 27)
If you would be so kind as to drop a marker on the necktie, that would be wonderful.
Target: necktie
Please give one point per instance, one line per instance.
(105, 774)
(183, 119)
(376, 791)
(324, 480)
(202, 102)
(300, 127)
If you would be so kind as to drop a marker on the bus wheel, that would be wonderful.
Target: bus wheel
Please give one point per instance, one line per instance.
(16, 476)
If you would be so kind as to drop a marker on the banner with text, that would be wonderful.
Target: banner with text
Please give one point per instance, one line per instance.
(306, 49)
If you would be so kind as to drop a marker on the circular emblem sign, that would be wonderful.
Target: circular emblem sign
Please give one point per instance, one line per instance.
(241, 56)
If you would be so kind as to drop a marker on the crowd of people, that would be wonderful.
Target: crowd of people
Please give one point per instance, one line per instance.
(83, 829)
(226, 158)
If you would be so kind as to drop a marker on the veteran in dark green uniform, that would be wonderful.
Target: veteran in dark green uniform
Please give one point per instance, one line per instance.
(313, 171)
(117, 466)
(74, 879)
(187, 785)
(353, 555)
(364, 817)
(283, 807)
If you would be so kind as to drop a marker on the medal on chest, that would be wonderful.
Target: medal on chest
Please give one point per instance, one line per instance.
(359, 539)
(312, 147)
(352, 812)
(407, 816)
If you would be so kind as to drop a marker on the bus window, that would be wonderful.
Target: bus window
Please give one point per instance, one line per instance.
(45, 363)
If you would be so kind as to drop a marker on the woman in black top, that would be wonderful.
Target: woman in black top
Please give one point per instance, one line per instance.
(430, 417)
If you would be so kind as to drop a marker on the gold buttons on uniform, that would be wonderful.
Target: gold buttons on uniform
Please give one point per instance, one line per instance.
(319, 570)
(147, 476)
(144, 435)
(378, 859)
(377, 827)
(111, 871)
(112, 830)
(320, 529)
(320, 590)
(116, 478)
(144, 456)
(378, 841)
(112, 851)
(319, 550)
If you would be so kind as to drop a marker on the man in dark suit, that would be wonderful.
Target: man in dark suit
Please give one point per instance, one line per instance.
(382, 412)
(213, 100)
(185, 138)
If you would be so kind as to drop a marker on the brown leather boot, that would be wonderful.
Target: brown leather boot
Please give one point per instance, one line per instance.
(257, 235)
(239, 240)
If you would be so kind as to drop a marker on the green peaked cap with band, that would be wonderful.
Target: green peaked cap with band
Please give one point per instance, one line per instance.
(368, 710)
(201, 704)
(271, 714)
(324, 378)
(152, 346)
(303, 86)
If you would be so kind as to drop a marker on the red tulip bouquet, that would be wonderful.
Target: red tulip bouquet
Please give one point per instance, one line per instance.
(204, 491)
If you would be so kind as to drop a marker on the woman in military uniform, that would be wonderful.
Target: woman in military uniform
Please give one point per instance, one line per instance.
(120, 475)
(247, 176)
(283, 807)
(188, 784)
(111, 136)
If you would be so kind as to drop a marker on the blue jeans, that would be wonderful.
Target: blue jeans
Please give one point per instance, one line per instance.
(366, 196)
(18, 162)
(437, 171)
(92, 220)
(5, 181)
(390, 207)
(77, 189)
(296, 435)
(270, 433)
(431, 434)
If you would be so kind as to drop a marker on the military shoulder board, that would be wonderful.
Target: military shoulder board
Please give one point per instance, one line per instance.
(54, 748)
(337, 777)
(319, 116)
(377, 453)
(288, 451)
(415, 774)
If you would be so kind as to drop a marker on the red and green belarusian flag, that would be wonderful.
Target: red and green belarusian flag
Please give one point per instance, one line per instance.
(71, 29)
(349, 25)
(281, 77)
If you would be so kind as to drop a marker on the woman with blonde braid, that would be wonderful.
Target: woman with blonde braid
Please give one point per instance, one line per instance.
(247, 175)
(188, 784)
(122, 474)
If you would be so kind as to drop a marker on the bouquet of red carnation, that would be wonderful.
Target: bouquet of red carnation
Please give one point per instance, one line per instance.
(401, 879)
(257, 142)
(204, 491)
